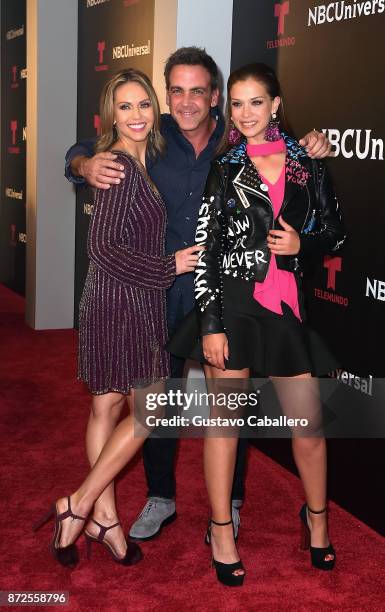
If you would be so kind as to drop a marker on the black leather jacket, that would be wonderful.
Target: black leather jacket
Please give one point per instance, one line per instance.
(236, 216)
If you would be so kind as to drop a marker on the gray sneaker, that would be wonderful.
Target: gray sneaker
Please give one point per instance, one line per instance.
(235, 507)
(157, 513)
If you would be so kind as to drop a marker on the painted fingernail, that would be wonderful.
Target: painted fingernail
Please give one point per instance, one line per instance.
(121, 168)
(122, 175)
(117, 181)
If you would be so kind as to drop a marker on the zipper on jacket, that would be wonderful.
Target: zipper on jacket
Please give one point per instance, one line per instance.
(311, 223)
(308, 208)
(255, 190)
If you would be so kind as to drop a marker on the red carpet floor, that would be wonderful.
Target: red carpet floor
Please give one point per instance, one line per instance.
(43, 419)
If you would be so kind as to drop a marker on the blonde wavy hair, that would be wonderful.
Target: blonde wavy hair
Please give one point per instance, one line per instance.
(108, 134)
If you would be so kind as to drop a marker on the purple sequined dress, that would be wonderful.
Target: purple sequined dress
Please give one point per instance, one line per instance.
(122, 324)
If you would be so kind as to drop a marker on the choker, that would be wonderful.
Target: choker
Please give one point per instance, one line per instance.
(266, 148)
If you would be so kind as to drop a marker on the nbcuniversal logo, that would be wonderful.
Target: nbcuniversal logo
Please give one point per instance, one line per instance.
(343, 10)
(355, 143)
(375, 288)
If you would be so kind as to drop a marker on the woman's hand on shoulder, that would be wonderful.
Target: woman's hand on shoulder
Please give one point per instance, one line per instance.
(186, 259)
(216, 350)
(284, 242)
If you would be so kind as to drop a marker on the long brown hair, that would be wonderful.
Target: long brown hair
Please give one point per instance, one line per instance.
(263, 74)
(108, 135)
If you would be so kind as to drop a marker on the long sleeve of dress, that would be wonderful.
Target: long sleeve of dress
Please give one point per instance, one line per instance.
(325, 234)
(107, 238)
(209, 234)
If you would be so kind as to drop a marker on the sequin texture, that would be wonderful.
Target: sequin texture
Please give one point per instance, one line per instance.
(122, 320)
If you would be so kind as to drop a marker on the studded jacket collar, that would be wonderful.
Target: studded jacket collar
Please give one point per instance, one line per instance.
(236, 216)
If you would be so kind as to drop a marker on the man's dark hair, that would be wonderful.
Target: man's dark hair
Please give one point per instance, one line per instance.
(192, 56)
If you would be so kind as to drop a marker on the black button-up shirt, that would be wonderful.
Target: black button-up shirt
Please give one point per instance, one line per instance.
(180, 177)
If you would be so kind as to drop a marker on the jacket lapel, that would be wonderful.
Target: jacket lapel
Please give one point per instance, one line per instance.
(247, 179)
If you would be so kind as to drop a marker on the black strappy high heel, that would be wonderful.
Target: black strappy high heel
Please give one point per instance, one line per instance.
(318, 555)
(207, 538)
(225, 571)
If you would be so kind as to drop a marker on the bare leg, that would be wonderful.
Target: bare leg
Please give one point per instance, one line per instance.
(219, 463)
(104, 415)
(121, 446)
(301, 399)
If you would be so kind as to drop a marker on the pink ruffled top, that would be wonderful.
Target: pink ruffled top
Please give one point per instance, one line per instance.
(279, 285)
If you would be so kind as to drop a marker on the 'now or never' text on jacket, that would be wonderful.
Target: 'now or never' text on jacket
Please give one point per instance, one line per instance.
(236, 216)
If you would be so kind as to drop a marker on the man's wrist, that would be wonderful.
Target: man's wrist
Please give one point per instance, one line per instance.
(78, 165)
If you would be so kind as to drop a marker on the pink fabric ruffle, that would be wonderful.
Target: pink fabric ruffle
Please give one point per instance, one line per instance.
(279, 285)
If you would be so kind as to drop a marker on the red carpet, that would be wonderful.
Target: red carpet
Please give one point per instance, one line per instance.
(43, 416)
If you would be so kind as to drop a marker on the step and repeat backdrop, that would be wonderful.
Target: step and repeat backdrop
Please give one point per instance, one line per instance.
(13, 144)
(113, 34)
(330, 60)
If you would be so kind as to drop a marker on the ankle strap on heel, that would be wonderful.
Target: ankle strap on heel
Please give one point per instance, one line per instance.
(317, 511)
(63, 515)
(103, 529)
(221, 524)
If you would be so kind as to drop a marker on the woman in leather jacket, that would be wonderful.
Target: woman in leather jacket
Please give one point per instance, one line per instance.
(266, 209)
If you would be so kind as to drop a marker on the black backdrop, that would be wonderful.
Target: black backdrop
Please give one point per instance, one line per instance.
(110, 32)
(330, 62)
(13, 144)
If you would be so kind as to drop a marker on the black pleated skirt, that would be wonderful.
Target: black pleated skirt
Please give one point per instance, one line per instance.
(268, 343)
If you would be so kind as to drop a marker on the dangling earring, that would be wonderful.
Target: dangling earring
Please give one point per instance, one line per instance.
(235, 135)
(272, 132)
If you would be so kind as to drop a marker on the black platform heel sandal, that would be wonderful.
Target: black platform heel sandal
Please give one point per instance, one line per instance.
(225, 571)
(318, 555)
